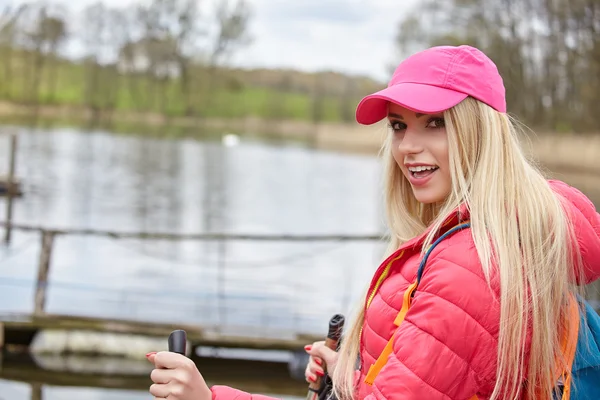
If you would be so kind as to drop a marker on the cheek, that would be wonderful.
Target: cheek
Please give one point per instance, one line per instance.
(442, 154)
(444, 163)
(397, 154)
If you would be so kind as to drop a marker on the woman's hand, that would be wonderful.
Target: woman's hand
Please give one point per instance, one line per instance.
(176, 377)
(319, 355)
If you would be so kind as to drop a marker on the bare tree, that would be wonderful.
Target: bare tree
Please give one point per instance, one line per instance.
(546, 50)
(55, 32)
(8, 41)
(41, 34)
(232, 28)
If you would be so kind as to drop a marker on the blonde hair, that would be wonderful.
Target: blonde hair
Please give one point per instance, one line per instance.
(519, 227)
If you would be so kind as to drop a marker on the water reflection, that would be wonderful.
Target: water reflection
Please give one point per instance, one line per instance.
(77, 179)
(86, 378)
(101, 181)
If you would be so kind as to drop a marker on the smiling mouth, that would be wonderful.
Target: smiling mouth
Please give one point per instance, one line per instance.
(422, 171)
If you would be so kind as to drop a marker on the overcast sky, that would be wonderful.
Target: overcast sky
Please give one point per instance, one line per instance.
(352, 36)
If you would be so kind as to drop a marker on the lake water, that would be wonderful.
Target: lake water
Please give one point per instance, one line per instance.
(98, 180)
(101, 181)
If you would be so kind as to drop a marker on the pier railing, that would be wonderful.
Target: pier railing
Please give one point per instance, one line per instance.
(48, 238)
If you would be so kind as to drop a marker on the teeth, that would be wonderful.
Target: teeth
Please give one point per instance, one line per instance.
(421, 168)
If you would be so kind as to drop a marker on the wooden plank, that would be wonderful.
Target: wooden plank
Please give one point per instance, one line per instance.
(253, 376)
(204, 236)
(43, 272)
(197, 335)
(10, 187)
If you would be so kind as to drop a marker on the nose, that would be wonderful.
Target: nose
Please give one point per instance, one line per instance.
(410, 143)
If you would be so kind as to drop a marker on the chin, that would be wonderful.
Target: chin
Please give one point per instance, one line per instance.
(428, 196)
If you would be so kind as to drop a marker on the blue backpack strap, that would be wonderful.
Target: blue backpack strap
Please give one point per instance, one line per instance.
(586, 366)
(430, 249)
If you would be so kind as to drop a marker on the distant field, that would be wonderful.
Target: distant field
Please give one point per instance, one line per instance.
(567, 152)
(218, 93)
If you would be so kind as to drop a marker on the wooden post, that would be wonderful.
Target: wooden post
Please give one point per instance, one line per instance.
(1, 336)
(11, 187)
(36, 391)
(1, 345)
(43, 272)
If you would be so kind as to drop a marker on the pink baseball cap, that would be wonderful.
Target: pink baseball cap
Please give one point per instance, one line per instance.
(435, 80)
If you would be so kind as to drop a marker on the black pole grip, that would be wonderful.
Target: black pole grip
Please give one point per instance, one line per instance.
(178, 341)
(336, 326)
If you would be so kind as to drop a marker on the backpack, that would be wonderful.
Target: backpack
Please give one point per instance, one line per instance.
(581, 342)
(585, 372)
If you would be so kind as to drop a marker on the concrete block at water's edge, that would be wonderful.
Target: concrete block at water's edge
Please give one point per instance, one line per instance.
(97, 343)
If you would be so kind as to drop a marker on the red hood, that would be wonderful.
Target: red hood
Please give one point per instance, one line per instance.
(586, 222)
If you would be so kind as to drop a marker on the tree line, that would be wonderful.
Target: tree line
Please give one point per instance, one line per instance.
(548, 52)
(172, 58)
(141, 50)
(169, 57)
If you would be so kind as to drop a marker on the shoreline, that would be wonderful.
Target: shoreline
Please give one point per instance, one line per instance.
(572, 153)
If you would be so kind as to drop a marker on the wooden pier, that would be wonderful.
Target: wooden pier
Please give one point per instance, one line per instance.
(19, 364)
(10, 187)
(253, 376)
(18, 330)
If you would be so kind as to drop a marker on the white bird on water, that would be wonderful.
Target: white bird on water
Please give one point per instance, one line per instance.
(230, 140)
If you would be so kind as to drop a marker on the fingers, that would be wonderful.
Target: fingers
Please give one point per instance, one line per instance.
(162, 375)
(314, 369)
(170, 360)
(159, 391)
(321, 358)
(172, 390)
(318, 350)
(176, 377)
(151, 356)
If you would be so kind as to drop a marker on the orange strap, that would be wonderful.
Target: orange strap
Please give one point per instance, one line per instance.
(568, 344)
(375, 369)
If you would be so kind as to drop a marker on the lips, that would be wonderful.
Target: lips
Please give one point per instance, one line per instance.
(422, 171)
(420, 174)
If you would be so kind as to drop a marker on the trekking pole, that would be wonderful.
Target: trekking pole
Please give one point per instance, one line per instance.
(336, 326)
(178, 341)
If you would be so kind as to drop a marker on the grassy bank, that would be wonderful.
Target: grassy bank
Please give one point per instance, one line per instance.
(573, 153)
(30, 79)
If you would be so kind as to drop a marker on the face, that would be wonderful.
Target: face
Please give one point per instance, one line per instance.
(420, 148)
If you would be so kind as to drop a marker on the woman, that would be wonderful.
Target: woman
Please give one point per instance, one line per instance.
(491, 306)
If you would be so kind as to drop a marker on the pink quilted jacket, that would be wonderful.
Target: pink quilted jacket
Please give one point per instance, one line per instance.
(446, 347)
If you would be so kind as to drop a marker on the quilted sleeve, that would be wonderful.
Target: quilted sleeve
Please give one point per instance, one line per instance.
(586, 222)
(228, 393)
(446, 347)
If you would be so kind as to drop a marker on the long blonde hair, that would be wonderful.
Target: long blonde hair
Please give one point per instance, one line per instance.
(519, 227)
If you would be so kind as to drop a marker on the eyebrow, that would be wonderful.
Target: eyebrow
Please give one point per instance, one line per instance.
(419, 115)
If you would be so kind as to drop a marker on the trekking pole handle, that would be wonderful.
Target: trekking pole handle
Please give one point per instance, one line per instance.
(336, 326)
(178, 341)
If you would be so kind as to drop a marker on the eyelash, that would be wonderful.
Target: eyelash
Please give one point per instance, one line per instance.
(439, 122)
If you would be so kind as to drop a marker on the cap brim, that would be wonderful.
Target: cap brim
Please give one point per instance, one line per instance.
(417, 97)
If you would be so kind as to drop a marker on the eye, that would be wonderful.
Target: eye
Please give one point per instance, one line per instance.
(397, 126)
(436, 123)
